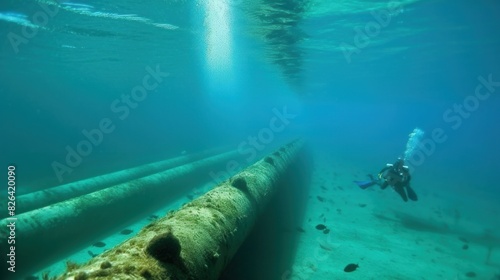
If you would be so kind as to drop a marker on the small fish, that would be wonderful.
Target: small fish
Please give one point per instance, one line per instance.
(326, 231)
(362, 205)
(320, 198)
(320, 227)
(465, 247)
(471, 274)
(299, 229)
(463, 239)
(126, 231)
(99, 244)
(91, 254)
(350, 267)
(325, 247)
(152, 217)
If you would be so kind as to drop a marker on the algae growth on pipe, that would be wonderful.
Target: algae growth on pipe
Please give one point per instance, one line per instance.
(38, 199)
(54, 231)
(198, 240)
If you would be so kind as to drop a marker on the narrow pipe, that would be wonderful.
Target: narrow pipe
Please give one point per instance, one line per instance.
(46, 234)
(38, 199)
(198, 240)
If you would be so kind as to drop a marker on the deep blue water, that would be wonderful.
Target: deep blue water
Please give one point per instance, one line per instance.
(412, 71)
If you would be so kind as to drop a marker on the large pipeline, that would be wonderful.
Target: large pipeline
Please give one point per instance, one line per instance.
(198, 240)
(46, 234)
(38, 199)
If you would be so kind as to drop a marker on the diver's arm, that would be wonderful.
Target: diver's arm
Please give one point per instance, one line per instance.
(407, 181)
(406, 171)
(379, 175)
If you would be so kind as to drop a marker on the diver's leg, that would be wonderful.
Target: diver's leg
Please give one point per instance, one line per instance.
(384, 185)
(376, 180)
(401, 192)
(411, 193)
(364, 184)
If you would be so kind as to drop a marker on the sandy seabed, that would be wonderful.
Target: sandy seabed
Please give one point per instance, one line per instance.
(387, 237)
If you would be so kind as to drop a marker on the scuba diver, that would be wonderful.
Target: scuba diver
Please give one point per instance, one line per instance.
(397, 176)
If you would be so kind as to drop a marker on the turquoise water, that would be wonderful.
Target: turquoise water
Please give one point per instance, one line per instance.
(90, 87)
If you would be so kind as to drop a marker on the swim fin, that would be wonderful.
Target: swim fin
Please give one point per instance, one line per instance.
(411, 193)
(365, 184)
(401, 191)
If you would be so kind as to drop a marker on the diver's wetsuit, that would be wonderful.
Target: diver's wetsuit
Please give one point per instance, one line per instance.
(399, 179)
